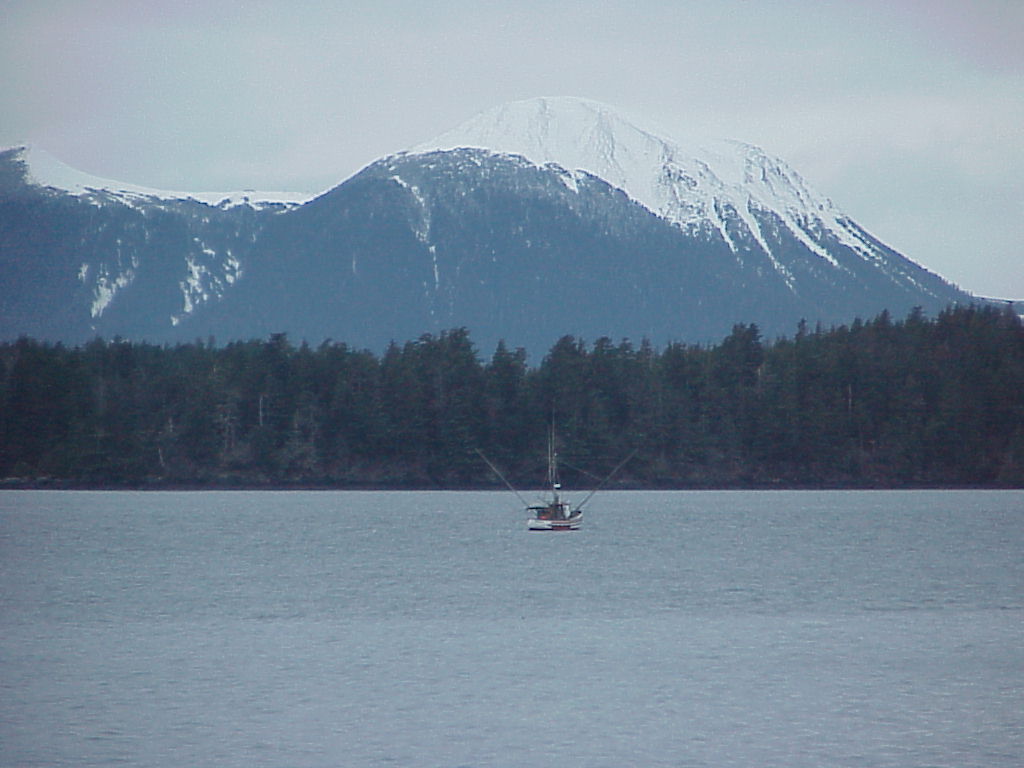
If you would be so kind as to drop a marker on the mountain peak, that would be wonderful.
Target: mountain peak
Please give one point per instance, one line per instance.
(577, 134)
(726, 184)
(584, 135)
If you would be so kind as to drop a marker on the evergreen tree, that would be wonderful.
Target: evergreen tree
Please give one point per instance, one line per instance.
(879, 403)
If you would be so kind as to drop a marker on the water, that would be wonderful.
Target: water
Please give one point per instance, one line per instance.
(408, 629)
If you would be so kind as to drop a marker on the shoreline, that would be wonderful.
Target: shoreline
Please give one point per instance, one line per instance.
(12, 484)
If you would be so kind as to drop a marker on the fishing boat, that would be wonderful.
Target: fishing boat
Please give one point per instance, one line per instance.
(554, 516)
(552, 512)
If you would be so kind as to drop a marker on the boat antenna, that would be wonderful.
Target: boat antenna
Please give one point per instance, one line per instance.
(609, 477)
(495, 470)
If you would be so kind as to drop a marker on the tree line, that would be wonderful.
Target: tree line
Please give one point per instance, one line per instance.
(879, 403)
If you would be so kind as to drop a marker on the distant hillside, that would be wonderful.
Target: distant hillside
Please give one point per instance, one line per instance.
(885, 403)
(536, 220)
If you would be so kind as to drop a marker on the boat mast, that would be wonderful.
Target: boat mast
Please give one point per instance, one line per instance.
(553, 464)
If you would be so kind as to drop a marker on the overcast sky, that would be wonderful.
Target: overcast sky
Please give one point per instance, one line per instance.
(909, 114)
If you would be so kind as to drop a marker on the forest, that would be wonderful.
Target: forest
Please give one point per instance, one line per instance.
(882, 403)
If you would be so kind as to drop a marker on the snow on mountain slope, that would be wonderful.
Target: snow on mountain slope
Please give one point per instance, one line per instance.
(44, 170)
(646, 237)
(169, 252)
(710, 184)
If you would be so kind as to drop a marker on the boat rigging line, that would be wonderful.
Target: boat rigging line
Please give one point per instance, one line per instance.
(611, 474)
(496, 471)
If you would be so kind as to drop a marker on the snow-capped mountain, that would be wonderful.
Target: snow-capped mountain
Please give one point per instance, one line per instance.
(531, 221)
(728, 188)
(44, 170)
(82, 255)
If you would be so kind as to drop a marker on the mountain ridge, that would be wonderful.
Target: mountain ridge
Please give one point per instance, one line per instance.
(689, 187)
(45, 171)
(526, 240)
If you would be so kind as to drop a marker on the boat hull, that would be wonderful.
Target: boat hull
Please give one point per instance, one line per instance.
(571, 524)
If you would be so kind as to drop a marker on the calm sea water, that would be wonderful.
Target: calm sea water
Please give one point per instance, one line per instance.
(431, 629)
